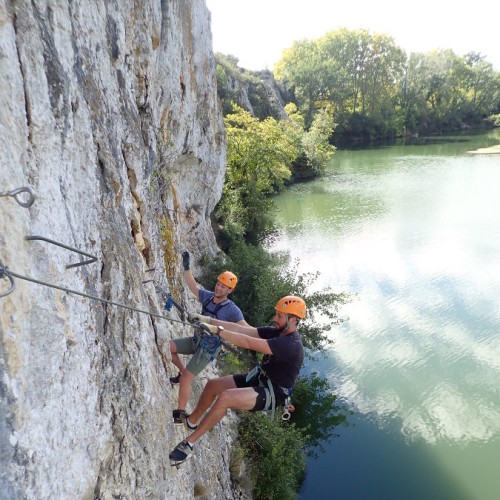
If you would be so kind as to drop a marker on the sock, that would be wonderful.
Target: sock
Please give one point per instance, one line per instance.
(190, 424)
(189, 444)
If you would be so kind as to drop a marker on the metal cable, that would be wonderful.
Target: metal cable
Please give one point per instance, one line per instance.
(4, 271)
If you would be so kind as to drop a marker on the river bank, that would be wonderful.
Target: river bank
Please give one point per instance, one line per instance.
(486, 151)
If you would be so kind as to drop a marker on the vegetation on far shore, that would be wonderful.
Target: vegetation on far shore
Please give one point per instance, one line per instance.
(377, 91)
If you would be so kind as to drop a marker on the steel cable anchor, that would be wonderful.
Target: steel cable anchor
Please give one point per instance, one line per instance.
(26, 203)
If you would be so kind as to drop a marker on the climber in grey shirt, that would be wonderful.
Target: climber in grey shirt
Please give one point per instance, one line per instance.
(215, 304)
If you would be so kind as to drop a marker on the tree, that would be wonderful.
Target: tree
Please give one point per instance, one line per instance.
(375, 91)
(317, 412)
(258, 157)
(479, 85)
(302, 68)
(313, 145)
(355, 72)
(317, 150)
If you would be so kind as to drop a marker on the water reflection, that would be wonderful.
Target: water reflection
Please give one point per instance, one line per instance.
(422, 367)
(416, 234)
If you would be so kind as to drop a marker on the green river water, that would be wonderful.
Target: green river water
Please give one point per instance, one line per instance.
(414, 232)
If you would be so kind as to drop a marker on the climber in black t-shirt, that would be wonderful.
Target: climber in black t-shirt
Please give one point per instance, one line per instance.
(277, 374)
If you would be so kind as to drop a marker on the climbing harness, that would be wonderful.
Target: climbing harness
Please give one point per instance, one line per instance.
(213, 313)
(270, 404)
(210, 346)
(288, 409)
(15, 193)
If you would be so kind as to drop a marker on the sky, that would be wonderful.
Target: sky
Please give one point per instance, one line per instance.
(257, 31)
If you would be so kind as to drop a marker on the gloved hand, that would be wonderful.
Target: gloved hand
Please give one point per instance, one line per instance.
(186, 260)
(213, 329)
(198, 318)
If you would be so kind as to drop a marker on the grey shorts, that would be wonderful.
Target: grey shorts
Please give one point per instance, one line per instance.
(188, 346)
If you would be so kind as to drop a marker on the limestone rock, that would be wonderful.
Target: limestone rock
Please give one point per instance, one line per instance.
(255, 91)
(109, 112)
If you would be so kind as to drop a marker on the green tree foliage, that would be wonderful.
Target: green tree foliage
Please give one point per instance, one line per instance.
(264, 278)
(353, 71)
(276, 449)
(495, 120)
(296, 68)
(478, 85)
(317, 413)
(315, 146)
(443, 92)
(258, 157)
(261, 156)
(376, 92)
(276, 456)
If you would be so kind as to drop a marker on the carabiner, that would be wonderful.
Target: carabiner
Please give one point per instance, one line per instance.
(288, 409)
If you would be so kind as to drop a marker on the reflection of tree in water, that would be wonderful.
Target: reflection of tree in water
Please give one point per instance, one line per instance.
(317, 412)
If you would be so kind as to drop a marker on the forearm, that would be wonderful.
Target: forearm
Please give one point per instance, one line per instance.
(245, 341)
(191, 283)
(246, 330)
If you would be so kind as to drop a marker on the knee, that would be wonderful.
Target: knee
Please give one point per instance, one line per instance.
(211, 386)
(173, 349)
(223, 401)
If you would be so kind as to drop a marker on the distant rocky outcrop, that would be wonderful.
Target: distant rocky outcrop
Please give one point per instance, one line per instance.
(109, 112)
(256, 91)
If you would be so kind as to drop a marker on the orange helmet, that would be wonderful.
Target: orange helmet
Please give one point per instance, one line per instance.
(291, 304)
(228, 278)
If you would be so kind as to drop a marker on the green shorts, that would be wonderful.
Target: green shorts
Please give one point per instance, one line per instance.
(200, 359)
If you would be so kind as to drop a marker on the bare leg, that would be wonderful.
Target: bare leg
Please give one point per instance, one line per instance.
(175, 357)
(240, 399)
(212, 389)
(184, 389)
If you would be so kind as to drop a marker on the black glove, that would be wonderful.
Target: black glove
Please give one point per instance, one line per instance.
(186, 259)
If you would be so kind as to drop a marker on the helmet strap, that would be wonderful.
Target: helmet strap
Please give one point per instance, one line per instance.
(284, 330)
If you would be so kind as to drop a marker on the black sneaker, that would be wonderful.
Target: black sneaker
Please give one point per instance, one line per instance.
(175, 380)
(181, 417)
(180, 453)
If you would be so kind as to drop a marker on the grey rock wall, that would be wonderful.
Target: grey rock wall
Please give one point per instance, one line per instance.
(255, 91)
(108, 111)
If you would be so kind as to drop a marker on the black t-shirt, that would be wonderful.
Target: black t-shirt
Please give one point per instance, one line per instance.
(284, 364)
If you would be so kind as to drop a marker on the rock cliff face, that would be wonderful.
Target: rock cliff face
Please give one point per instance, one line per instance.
(108, 111)
(256, 91)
